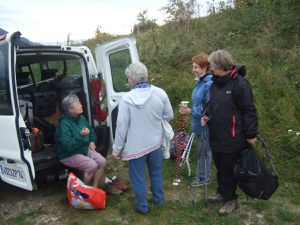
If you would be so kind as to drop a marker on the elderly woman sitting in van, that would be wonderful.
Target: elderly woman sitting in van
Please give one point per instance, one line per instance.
(76, 140)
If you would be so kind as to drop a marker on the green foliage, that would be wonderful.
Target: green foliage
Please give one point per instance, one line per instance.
(144, 23)
(99, 38)
(263, 35)
(119, 61)
(180, 11)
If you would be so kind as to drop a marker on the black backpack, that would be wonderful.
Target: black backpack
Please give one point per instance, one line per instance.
(254, 178)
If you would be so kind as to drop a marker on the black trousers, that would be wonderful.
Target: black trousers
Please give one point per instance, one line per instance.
(227, 183)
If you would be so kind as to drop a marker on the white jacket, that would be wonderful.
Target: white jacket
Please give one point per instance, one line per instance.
(139, 125)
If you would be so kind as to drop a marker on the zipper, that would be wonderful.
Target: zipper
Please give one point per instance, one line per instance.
(233, 126)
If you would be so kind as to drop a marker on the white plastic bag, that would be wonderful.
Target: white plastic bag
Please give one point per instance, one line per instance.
(168, 130)
(168, 135)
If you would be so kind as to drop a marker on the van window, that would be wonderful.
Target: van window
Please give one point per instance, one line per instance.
(119, 61)
(36, 70)
(66, 67)
(74, 67)
(5, 98)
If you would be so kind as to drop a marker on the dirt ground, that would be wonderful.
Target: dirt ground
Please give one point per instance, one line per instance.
(49, 205)
(44, 206)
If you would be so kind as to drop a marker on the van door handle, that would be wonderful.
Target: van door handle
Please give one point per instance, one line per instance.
(25, 134)
(9, 161)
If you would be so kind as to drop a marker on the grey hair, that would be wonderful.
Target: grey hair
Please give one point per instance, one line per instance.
(138, 71)
(68, 101)
(221, 59)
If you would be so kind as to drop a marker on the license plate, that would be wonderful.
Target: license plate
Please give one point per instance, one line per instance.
(14, 172)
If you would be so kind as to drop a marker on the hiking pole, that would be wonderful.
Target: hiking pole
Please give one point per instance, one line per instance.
(186, 154)
(197, 170)
(204, 144)
(180, 144)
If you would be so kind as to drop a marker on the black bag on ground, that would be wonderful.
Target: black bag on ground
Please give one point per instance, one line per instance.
(254, 178)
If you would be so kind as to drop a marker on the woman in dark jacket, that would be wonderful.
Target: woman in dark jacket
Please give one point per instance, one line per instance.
(232, 123)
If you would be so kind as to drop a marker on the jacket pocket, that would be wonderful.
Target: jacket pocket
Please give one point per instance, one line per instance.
(233, 128)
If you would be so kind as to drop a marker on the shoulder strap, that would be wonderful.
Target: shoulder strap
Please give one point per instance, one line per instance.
(269, 156)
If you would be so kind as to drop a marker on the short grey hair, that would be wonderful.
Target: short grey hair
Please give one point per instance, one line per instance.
(221, 59)
(138, 71)
(68, 101)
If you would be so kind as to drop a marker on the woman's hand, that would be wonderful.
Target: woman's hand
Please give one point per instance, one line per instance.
(92, 146)
(185, 111)
(85, 131)
(251, 141)
(117, 157)
(204, 120)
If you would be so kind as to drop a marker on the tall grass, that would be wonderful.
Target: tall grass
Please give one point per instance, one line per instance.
(266, 40)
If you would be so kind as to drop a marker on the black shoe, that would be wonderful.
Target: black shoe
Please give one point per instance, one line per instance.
(140, 212)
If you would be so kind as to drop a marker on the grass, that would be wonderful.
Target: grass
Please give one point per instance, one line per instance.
(26, 217)
(186, 205)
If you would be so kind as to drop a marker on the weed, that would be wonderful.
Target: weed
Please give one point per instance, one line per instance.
(26, 217)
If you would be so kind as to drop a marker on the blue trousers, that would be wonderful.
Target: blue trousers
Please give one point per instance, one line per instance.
(202, 150)
(137, 174)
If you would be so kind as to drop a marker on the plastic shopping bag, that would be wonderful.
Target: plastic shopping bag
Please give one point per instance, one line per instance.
(82, 196)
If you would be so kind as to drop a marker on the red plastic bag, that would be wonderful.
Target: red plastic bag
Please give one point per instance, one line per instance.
(82, 196)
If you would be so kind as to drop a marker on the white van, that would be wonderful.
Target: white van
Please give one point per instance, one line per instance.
(33, 81)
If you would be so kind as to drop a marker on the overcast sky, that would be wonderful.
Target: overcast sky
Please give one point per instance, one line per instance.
(53, 20)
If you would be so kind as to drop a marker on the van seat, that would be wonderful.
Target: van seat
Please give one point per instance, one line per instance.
(49, 73)
(44, 103)
(23, 78)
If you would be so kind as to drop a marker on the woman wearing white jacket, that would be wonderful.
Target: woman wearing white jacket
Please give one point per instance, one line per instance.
(139, 134)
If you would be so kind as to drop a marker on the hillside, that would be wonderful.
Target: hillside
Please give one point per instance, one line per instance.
(263, 37)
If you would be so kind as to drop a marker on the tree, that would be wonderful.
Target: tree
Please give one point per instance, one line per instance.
(144, 23)
(180, 11)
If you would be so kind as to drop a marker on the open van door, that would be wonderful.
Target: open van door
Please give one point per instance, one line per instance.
(112, 58)
(16, 165)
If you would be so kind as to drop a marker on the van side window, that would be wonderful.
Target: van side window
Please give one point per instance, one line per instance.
(36, 70)
(74, 66)
(5, 98)
(118, 64)
(64, 68)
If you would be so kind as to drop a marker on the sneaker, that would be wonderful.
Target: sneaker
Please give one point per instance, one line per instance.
(198, 182)
(110, 188)
(215, 198)
(166, 154)
(119, 184)
(228, 208)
